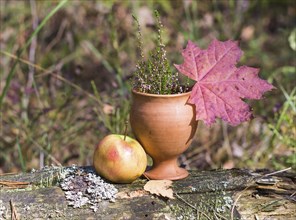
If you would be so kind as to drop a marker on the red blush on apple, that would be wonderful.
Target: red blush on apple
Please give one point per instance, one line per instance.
(113, 154)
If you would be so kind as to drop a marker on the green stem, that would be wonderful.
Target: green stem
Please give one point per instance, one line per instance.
(13, 69)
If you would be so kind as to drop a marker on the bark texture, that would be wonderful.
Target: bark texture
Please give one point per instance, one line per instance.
(217, 194)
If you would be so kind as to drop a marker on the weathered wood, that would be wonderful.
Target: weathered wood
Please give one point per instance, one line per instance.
(217, 194)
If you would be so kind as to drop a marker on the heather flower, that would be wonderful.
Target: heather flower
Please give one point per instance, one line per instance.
(154, 75)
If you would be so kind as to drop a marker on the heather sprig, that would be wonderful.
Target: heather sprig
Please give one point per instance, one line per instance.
(154, 75)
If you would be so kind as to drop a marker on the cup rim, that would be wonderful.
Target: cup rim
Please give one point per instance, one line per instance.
(160, 95)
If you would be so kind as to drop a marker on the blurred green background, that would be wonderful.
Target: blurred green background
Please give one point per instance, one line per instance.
(71, 85)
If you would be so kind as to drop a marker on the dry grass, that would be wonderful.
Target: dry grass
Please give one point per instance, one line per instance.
(72, 85)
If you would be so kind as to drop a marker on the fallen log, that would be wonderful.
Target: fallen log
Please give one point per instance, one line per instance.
(216, 194)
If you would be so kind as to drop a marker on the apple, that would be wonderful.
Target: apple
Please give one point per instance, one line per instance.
(119, 159)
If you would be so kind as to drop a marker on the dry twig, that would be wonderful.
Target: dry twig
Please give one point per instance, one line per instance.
(14, 215)
(14, 184)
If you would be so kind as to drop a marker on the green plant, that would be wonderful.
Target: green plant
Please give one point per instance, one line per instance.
(63, 104)
(283, 129)
(154, 75)
(37, 30)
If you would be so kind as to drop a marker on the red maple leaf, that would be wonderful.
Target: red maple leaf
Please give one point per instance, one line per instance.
(220, 85)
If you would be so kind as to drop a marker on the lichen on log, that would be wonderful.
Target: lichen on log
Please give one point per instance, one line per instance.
(216, 194)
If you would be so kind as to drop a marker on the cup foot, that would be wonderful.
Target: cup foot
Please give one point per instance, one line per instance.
(166, 173)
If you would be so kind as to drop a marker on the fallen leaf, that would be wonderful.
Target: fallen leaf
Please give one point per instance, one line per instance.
(228, 164)
(145, 16)
(248, 33)
(160, 188)
(108, 109)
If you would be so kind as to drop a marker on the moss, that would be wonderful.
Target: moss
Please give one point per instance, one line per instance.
(210, 205)
(183, 213)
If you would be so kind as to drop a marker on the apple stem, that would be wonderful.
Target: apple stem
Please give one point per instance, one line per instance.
(125, 130)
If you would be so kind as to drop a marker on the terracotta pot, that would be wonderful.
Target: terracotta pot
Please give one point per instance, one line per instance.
(165, 126)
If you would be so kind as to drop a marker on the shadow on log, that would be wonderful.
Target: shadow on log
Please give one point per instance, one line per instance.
(217, 194)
